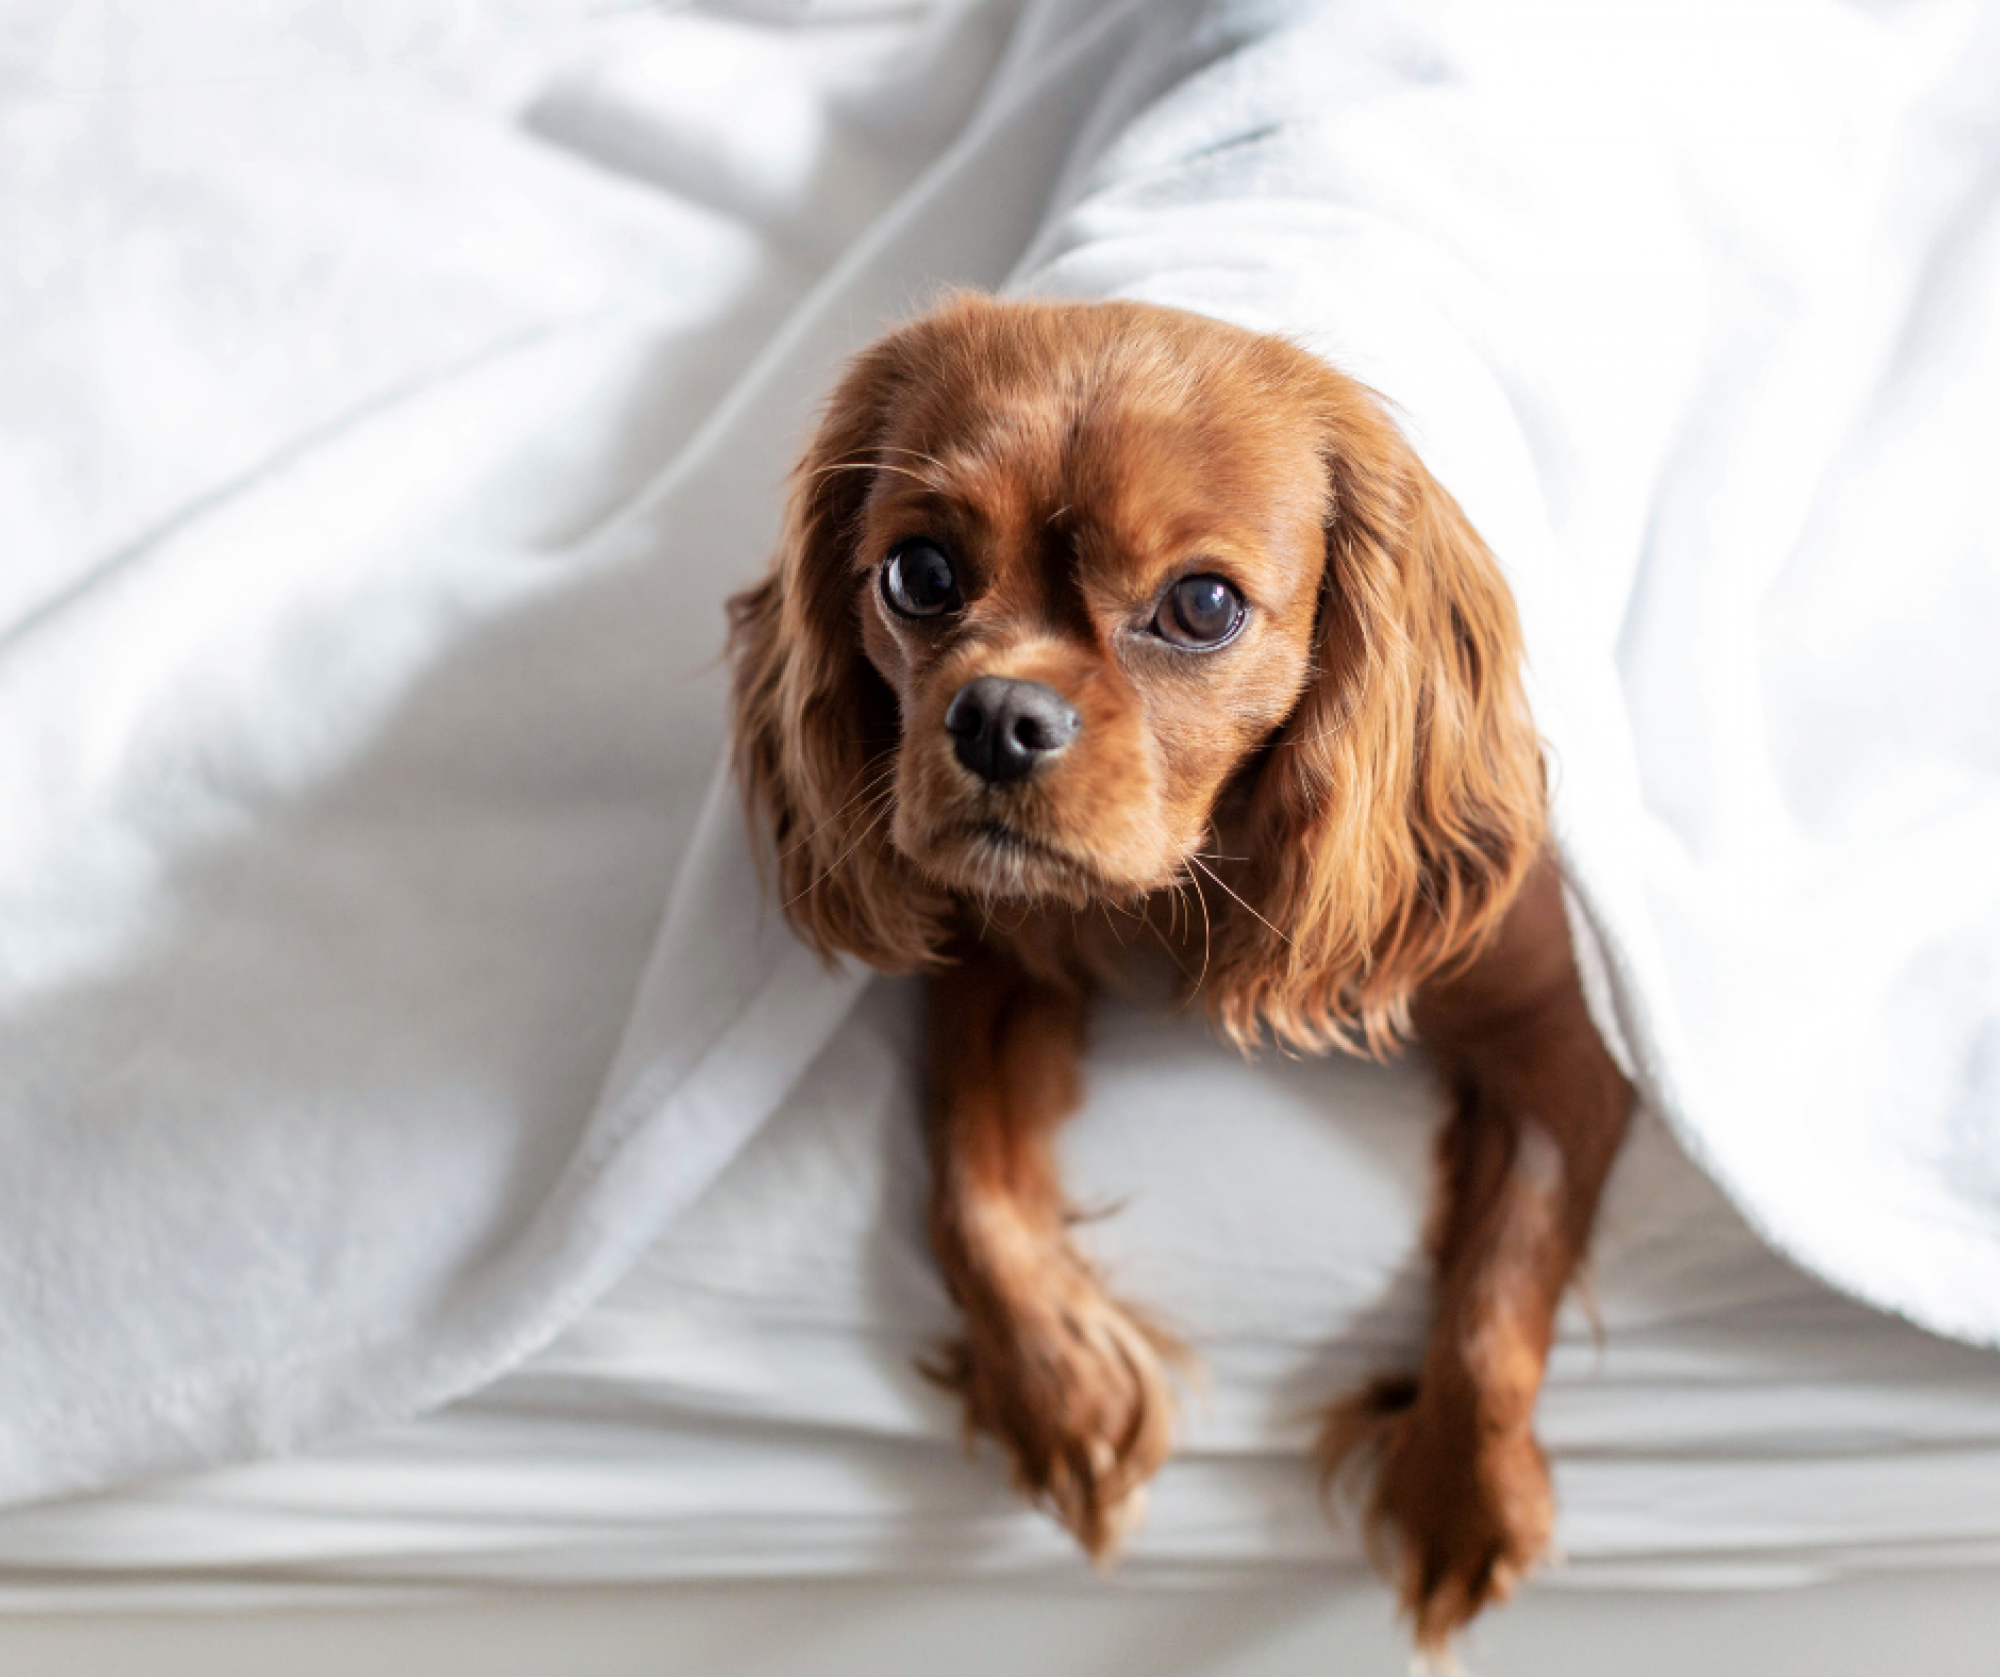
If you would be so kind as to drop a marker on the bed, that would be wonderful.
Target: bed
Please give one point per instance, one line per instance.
(567, 259)
(730, 1463)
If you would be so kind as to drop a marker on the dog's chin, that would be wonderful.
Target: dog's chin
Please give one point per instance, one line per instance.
(995, 861)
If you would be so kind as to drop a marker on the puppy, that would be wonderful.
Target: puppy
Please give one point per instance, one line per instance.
(1090, 619)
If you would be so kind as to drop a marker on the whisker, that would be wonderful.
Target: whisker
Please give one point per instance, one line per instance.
(1247, 909)
(871, 466)
(862, 832)
(1166, 943)
(914, 453)
(1207, 929)
(877, 771)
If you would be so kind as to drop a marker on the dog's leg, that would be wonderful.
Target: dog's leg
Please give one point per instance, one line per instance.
(1071, 1383)
(1461, 1506)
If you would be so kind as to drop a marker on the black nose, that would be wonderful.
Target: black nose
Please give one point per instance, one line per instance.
(1001, 729)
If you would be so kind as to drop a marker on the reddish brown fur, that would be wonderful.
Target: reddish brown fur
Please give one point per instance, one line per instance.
(1364, 750)
(1074, 1384)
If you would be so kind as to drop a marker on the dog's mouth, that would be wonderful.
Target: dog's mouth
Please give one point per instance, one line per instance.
(1004, 837)
(993, 858)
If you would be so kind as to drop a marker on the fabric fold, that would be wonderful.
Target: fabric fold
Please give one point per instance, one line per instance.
(345, 1057)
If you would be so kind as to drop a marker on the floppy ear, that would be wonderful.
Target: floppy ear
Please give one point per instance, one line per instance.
(816, 726)
(1397, 811)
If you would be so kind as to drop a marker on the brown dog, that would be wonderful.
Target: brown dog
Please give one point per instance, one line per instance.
(1083, 608)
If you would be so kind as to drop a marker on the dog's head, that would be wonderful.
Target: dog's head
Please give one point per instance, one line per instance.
(1060, 581)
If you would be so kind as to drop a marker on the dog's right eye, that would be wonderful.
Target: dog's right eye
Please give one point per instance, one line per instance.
(917, 580)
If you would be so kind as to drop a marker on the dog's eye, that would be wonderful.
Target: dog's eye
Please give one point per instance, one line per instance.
(917, 581)
(1200, 611)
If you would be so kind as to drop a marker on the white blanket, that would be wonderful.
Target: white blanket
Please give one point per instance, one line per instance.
(336, 809)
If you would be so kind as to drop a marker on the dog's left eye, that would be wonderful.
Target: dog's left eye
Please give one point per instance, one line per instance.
(917, 580)
(1199, 611)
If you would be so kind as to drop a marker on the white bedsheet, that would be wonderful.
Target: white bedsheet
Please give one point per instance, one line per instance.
(743, 1403)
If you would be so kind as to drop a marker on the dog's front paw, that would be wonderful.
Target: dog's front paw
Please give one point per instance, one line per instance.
(1076, 1390)
(1459, 1512)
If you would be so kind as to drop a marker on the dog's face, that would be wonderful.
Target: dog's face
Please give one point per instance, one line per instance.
(1087, 567)
(1058, 578)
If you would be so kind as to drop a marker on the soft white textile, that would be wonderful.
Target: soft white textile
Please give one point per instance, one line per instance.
(337, 809)
(1706, 342)
(344, 763)
(743, 1403)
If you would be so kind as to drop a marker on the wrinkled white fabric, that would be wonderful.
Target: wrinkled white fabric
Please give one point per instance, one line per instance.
(342, 1064)
(745, 1402)
(1705, 342)
(356, 700)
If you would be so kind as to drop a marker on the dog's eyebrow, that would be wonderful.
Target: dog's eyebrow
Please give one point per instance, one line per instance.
(915, 454)
(872, 466)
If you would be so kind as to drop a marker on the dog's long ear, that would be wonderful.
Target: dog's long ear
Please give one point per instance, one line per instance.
(816, 726)
(1397, 811)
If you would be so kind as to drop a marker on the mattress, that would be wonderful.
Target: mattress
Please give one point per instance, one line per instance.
(745, 1403)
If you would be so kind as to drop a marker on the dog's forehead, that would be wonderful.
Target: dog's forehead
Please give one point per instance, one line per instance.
(1150, 448)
